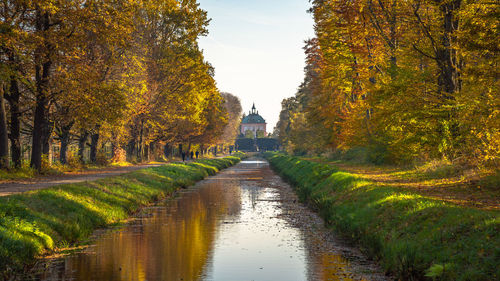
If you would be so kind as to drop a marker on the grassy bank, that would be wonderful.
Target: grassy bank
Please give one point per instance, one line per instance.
(38, 222)
(414, 237)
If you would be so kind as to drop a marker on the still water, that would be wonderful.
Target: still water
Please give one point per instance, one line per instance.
(243, 224)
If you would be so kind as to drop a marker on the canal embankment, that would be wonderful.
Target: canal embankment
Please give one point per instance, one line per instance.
(413, 237)
(244, 223)
(40, 222)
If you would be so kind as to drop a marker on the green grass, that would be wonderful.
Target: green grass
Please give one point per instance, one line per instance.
(413, 237)
(15, 174)
(38, 222)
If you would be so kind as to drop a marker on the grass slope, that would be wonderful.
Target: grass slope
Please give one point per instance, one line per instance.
(414, 237)
(36, 222)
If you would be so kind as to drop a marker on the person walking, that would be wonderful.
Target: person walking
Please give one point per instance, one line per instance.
(197, 153)
(183, 156)
(192, 155)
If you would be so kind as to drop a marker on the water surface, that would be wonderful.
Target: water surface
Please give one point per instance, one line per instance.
(242, 224)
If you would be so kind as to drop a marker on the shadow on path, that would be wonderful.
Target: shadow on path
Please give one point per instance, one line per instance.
(15, 187)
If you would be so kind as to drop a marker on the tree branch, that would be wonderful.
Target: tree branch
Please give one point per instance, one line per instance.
(422, 52)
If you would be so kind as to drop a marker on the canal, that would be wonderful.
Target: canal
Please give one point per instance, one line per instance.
(243, 224)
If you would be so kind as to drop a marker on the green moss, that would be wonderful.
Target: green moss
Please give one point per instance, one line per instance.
(34, 222)
(414, 237)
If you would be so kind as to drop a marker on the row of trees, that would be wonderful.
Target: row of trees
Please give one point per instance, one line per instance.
(408, 80)
(127, 72)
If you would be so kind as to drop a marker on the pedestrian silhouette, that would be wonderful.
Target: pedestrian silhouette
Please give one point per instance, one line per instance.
(197, 153)
(183, 156)
(192, 155)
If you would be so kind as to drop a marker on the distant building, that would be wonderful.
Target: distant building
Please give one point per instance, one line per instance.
(253, 122)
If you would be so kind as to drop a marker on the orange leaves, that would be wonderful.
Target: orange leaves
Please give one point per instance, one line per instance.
(419, 79)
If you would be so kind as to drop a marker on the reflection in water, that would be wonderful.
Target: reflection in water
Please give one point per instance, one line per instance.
(229, 227)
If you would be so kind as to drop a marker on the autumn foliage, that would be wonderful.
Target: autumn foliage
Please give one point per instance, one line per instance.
(405, 80)
(126, 73)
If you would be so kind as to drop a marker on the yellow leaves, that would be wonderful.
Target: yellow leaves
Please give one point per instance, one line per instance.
(372, 78)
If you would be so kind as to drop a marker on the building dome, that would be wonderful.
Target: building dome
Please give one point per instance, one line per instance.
(253, 117)
(253, 123)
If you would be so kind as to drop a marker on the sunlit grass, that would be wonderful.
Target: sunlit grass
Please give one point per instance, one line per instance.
(121, 164)
(412, 234)
(25, 172)
(21, 173)
(37, 222)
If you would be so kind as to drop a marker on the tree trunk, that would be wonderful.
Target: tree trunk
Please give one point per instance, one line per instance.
(131, 149)
(47, 133)
(38, 131)
(449, 63)
(166, 150)
(82, 141)
(146, 153)
(64, 136)
(447, 58)
(114, 147)
(151, 151)
(43, 66)
(180, 149)
(94, 140)
(140, 145)
(4, 139)
(15, 124)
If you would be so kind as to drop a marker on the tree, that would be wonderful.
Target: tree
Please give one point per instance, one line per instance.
(399, 77)
(129, 73)
(233, 107)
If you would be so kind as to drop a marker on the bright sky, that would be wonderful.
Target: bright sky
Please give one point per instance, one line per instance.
(256, 49)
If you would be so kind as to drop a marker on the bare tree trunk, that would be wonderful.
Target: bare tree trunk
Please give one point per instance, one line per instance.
(151, 151)
(448, 61)
(15, 124)
(47, 133)
(43, 66)
(94, 140)
(131, 146)
(38, 132)
(4, 140)
(166, 150)
(82, 141)
(140, 145)
(445, 54)
(64, 136)
(114, 146)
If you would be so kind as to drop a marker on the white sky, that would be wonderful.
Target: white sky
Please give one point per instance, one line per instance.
(256, 49)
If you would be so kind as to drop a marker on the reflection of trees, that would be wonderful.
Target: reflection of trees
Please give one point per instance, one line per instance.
(253, 194)
(327, 266)
(170, 245)
(322, 263)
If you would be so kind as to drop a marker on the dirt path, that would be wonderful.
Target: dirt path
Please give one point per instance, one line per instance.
(20, 186)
